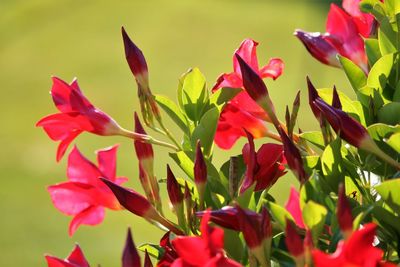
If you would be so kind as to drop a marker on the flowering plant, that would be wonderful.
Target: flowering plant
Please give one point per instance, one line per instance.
(346, 210)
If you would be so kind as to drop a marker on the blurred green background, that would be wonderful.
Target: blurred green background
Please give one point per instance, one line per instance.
(82, 39)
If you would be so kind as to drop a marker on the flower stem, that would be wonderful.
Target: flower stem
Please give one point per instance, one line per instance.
(146, 139)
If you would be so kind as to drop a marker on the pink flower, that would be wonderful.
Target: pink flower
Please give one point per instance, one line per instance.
(76, 115)
(264, 167)
(242, 112)
(357, 251)
(84, 196)
(204, 250)
(75, 259)
(293, 207)
(345, 30)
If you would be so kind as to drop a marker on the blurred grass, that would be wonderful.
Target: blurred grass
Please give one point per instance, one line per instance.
(82, 38)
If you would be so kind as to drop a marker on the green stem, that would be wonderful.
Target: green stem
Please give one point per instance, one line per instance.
(146, 139)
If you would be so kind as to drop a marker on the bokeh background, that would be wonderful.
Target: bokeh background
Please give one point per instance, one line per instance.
(82, 39)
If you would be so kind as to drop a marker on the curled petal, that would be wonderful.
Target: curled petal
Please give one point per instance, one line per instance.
(91, 216)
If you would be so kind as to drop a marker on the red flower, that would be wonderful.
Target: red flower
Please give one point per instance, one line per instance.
(204, 250)
(75, 259)
(84, 196)
(344, 32)
(357, 251)
(76, 115)
(264, 167)
(293, 207)
(169, 254)
(242, 112)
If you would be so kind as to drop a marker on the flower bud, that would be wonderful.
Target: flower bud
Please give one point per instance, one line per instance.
(343, 213)
(293, 157)
(200, 173)
(130, 256)
(319, 47)
(174, 190)
(312, 96)
(293, 242)
(335, 99)
(147, 260)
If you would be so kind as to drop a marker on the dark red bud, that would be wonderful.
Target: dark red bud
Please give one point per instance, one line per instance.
(343, 211)
(319, 47)
(293, 241)
(312, 96)
(250, 228)
(173, 187)
(130, 256)
(147, 260)
(143, 150)
(293, 157)
(335, 99)
(200, 167)
(131, 200)
(345, 126)
(134, 56)
(252, 82)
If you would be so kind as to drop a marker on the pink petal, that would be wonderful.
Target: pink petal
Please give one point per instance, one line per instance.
(107, 160)
(365, 22)
(293, 206)
(247, 51)
(90, 216)
(71, 198)
(80, 169)
(62, 147)
(56, 262)
(232, 80)
(273, 70)
(76, 257)
(191, 249)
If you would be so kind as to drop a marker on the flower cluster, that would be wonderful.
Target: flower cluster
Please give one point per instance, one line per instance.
(226, 215)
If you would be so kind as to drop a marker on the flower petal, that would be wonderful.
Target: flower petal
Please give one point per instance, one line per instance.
(80, 169)
(93, 215)
(273, 69)
(107, 160)
(293, 207)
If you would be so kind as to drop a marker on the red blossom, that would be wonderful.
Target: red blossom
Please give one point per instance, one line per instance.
(76, 115)
(75, 259)
(357, 251)
(264, 167)
(345, 30)
(242, 108)
(83, 195)
(204, 250)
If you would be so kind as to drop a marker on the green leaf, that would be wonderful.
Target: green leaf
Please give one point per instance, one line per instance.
(393, 6)
(173, 112)
(154, 250)
(222, 96)
(205, 131)
(373, 51)
(356, 76)
(184, 161)
(394, 142)
(390, 193)
(233, 245)
(390, 113)
(314, 217)
(279, 213)
(314, 137)
(387, 38)
(375, 7)
(380, 72)
(192, 93)
(331, 160)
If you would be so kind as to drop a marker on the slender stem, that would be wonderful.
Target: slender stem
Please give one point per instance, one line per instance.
(168, 134)
(146, 139)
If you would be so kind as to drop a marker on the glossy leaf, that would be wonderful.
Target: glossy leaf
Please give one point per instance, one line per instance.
(379, 73)
(314, 217)
(173, 112)
(373, 51)
(390, 113)
(390, 193)
(279, 213)
(205, 131)
(355, 75)
(387, 38)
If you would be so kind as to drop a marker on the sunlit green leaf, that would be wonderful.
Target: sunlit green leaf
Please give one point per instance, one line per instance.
(390, 193)
(173, 111)
(205, 130)
(356, 76)
(314, 217)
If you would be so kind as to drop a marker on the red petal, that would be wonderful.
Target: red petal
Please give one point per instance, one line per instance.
(62, 147)
(273, 69)
(91, 216)
(364, 22)
(293, 207)
(232, 80)
(80, 169)
(77, 257)
(248, 52)
(107, 160)
(56, 262)
(191, 249)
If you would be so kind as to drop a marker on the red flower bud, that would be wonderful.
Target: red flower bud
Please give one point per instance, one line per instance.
(136, 61)
(345, 126)
(200, 167)
(143, 150)
(130, 256)
(293, 241)
(293, 157)
(312, 96)
(147, 260)
(131, 200)
(173, 187)
(252, 82)
(343, 212)
(319, 47)
(335, 99)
